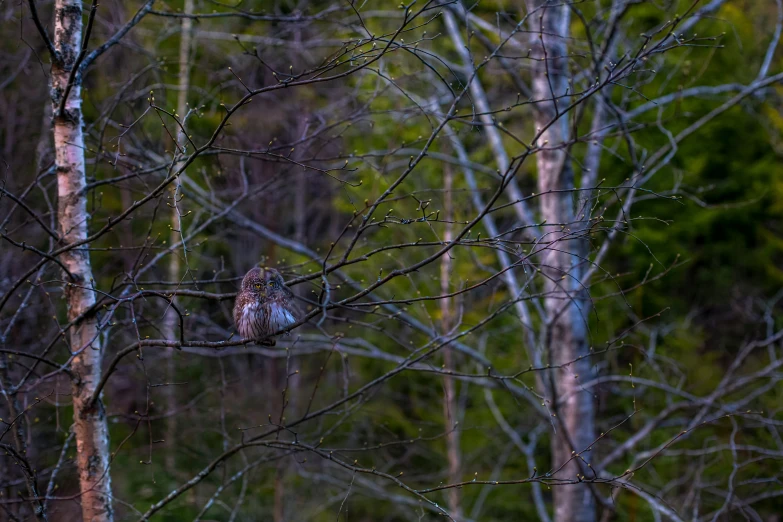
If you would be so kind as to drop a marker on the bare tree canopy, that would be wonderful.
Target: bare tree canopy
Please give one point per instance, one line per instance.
(343, 260)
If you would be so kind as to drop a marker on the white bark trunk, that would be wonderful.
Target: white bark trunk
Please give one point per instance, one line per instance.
(566, 305)
(90, 428)
(171, 321)
(449, 389)
(482, 107)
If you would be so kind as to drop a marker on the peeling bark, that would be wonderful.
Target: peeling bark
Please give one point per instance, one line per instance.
(90, 428)
(566, 304)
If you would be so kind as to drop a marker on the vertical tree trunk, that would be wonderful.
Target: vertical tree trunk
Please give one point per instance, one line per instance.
(90, 428)
(20, 434)
(171, 321)
(278, 509)
(565, 304)
(449, 390)
(482, 106)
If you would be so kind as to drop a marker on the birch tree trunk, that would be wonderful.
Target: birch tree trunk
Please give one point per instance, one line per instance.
(90, 428)
(175, 235)
(479, 97)
(449, 389)
(566, 306)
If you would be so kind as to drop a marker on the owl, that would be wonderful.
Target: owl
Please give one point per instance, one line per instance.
(264, 305)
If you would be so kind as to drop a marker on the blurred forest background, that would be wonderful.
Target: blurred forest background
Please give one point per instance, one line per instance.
(539, 245)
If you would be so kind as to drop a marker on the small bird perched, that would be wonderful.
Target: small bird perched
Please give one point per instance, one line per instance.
(264, 305)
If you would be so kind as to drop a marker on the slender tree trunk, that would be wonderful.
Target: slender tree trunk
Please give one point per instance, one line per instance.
(11, 397)
(300, 206)
(449, 390)
(278, 509)
(20, 434)
(272, 387)
(501, 158)
(171, 321)
(90, 428)
(565, 339)
(482, 107)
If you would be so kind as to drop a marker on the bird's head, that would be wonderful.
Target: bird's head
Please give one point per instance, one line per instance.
(264, 282)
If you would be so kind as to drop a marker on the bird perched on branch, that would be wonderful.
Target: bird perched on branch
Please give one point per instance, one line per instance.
(264, 305)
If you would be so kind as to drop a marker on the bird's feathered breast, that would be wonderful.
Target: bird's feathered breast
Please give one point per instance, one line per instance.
(261, 315)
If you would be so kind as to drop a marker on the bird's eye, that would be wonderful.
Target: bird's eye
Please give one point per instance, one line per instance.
(271, 283)
(258, 286)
